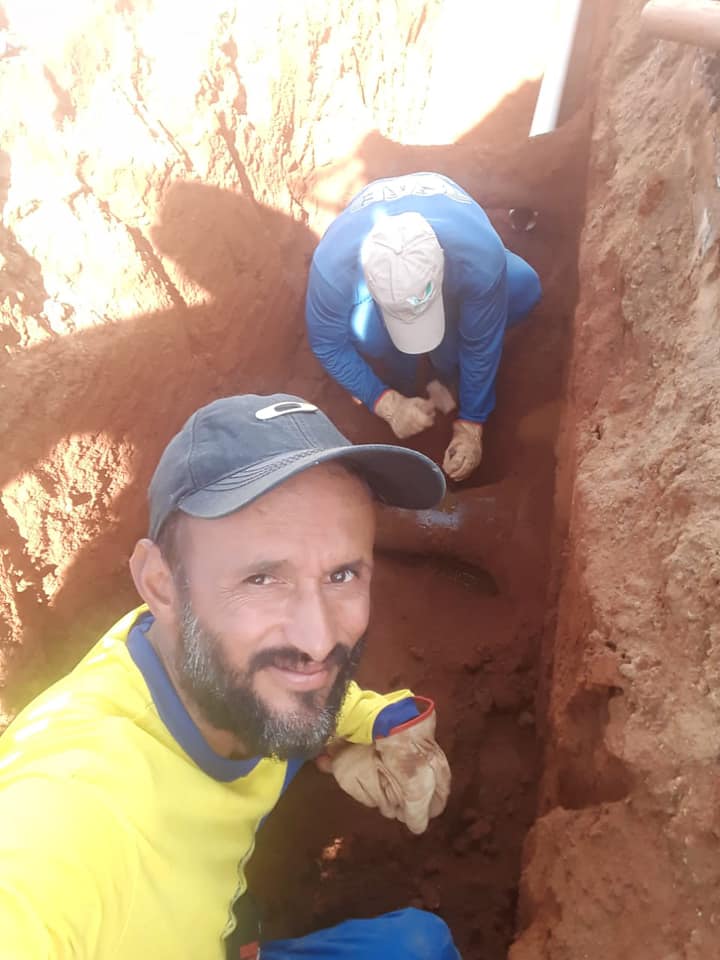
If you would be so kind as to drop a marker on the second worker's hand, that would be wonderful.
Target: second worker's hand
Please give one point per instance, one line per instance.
(464, 451)
(406, 416)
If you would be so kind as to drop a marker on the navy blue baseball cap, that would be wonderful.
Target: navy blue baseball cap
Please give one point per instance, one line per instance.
(235, 449)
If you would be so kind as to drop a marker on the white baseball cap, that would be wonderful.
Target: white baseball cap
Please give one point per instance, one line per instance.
(403, 264)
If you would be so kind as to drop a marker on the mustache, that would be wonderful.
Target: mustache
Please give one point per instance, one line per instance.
(290, 658)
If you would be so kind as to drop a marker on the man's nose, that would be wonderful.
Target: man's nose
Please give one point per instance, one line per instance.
(309, 627)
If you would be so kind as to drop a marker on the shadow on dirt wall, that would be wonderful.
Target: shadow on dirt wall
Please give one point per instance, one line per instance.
(138, 380)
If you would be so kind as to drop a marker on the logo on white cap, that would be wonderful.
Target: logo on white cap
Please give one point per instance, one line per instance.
(283, 407)
(424, 296)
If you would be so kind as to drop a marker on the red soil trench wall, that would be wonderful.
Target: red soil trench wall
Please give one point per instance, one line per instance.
(164, 185)
(625, 856)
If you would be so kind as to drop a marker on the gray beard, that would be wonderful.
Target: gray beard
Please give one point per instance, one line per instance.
(227, 701)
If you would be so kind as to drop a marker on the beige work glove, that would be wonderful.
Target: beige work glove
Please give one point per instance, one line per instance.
(464, 451)
(442, 398)
(406, 415)
(405, 775)
(356, 768)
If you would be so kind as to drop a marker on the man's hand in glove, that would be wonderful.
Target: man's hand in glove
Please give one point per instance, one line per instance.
(406, 415)
(464, 451)
(405, 775)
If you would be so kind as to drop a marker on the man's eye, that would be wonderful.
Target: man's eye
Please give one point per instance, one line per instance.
(343, 576)
(258, 579)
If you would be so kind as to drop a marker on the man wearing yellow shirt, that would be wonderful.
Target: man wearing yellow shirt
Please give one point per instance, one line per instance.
(132, 790)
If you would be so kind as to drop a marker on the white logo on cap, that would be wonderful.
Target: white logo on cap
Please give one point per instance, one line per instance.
(283, 407)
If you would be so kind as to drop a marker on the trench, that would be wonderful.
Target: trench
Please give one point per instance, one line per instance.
(464, 613)
(449, 623)
(463, 601)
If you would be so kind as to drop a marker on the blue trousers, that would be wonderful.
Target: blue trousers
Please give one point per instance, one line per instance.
(399, 369)
(403, 935)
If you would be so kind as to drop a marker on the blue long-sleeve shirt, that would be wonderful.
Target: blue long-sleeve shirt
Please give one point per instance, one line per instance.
(342, 316)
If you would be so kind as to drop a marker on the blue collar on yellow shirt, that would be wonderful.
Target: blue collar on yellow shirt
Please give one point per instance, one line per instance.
(174, 715)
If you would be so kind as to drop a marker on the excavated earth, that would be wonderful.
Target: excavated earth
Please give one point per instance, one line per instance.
(625, 856)
(165, 173)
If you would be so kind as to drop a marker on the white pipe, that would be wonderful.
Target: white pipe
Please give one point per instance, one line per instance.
(553, 82)
(685, 21)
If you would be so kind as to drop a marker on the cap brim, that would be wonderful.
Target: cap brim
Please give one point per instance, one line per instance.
(421, 335)
(397, 476)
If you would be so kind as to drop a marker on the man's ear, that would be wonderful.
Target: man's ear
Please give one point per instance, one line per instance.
(154, 581)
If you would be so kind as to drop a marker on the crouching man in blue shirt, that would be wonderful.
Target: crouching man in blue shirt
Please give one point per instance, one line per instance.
(413, 266)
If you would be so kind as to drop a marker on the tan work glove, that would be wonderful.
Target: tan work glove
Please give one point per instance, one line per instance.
(441, 396)
(464, 451)
(405, 775)
(406, 415)
(356, 768)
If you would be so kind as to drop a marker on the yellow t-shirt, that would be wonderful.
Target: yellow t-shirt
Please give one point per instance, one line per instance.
(122, 834)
